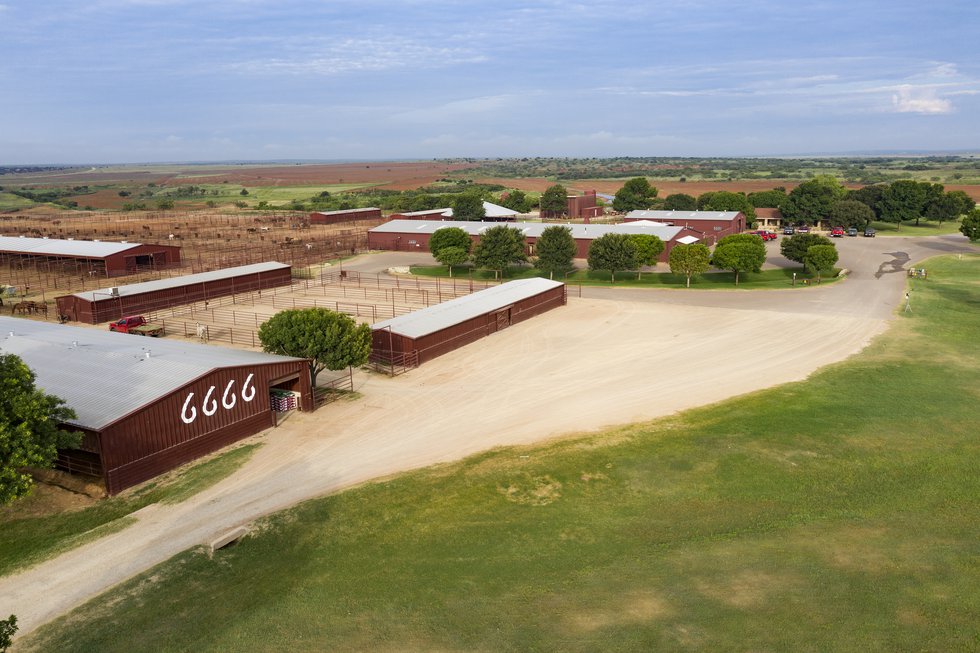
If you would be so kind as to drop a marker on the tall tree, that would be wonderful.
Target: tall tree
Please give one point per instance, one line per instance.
(794, 248)
(690, 260)
(768, 199)
(469, 207)
(971, 225)
(820, 259)
(680, 202)
(869, 196)
(948, 206)
(904, 200)
(330, 340)
(740, 253)
(450, 256)
(517, 200)
(812, 200)
(727, 201)
(556, 248)
(851, 213)
(554, 201)
(648, 250)
(612, 252)
(704, 198)
(635, 194)
(499, 247)
(30, 435)
(449, 237)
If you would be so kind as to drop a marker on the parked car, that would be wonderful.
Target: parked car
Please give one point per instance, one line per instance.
(869, 233)
(788, 230)
(852, 231)
(136, 324)
(803, 229)
(765, 235)
(837, 232)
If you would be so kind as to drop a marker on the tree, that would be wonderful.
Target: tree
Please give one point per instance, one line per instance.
(794, 248)
(851, 213)
(554, 201)
(517, 200)
(704, 198)
(556, 249)
(869, 196)
(948, 206)
(971, 225)
(648, 250)
(740, 253)
(635, 194)
(330, 340)
(812, 200)
(767, 199)
(243, 192)
(903, 200)
(820, 258)
(726, 201)
(30, 435)
(612, 252)
(165, 204)
(499, 247)
(690, 260)
(8, 627)
(444, 237)
(450, 256)
(469, 207)
(680, 202)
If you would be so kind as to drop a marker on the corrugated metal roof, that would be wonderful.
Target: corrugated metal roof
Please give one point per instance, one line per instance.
(432, 212)
(103, 375)
(59, 247)
(682, 216)
(340, 211)
(531, 229)
(491, 210)
(440, 316)
(177, 282)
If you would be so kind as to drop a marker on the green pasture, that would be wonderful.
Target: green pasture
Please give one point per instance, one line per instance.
(714, 280)
(924, 228)
(11, 202)
(27, 541)
(835, 514)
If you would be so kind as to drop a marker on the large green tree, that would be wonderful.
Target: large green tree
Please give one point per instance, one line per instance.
(680, 202)
(768, 199)
(330, 340)
(820, 259)
(517, 200)
(612, 252)
(648, 250)
(450, 256)
(727, 201)
(635, 194)
(468, 207)
(971, 225)
(851, 213)
(904, 200)
(948, 206)
(554, 200)
(30, 435)
(812, 200)
(739, 253)
(555, 248)
(794, 248)
(8, 627)
(869, 196)
(689, 260)
(499, 247)
(449, 237)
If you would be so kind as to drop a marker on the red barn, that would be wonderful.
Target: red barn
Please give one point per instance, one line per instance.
(102, 257)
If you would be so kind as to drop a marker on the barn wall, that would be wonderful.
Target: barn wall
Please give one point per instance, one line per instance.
(175, 429)
(355, 215)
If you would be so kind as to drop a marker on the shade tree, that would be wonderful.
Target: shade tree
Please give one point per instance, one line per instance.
(612, 252)
(739, 253)
(635, 194)
(555, 249)
(689, 260)
(500, 247)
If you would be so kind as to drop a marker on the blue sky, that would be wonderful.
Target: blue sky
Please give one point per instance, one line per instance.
(106, 81)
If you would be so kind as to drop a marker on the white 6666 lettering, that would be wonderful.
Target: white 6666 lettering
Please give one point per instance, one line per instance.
(209, 406)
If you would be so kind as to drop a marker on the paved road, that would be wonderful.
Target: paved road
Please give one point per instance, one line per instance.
(640, 349)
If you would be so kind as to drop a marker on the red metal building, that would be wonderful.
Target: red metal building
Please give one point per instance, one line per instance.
(711, 225)
(104, 258)
(148, 406)
(345, 215)
(95, 306)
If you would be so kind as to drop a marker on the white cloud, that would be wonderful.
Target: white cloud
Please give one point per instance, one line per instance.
(922, 99)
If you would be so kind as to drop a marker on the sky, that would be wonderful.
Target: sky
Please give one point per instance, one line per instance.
(124, 81)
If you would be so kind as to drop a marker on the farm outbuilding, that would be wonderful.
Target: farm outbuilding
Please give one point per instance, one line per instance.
(494, 213)
(345, 215)
(98, 257)
(94, 306)
(711, 224)
(147, 406)
(427, 333)
(413, 235)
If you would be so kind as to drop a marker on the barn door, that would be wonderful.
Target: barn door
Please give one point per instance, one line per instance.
(500, 320)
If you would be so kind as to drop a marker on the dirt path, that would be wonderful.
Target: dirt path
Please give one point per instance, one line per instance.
(611, 357)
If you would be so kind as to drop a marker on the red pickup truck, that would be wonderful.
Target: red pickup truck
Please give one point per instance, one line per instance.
(136, 324)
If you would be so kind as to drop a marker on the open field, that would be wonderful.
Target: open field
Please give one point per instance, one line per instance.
(832, 514)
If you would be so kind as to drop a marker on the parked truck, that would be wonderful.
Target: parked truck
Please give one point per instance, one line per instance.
(138, 325)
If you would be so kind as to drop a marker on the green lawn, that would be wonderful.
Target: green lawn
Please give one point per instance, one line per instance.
(910, 229)
(31, 540)
(767, 279)
(835, 514)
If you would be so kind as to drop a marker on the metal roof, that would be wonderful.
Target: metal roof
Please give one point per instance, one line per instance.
(177, 282)
(59, 247)
(340, 211)
(687, 240)
(530, 229)
(441, 316)
(682, 216)
(104, 376)
(491, 210)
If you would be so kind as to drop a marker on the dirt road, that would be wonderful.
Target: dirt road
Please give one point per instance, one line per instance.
(610, 357)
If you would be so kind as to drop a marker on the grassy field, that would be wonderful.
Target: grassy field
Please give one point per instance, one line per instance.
(767, 279)
(910, 229)
(28, 541)
(11, 202)
(835, 514)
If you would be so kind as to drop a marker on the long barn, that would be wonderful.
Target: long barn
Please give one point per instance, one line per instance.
(95, 306)
(435, 330)
(148, 406)
(102, 258)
